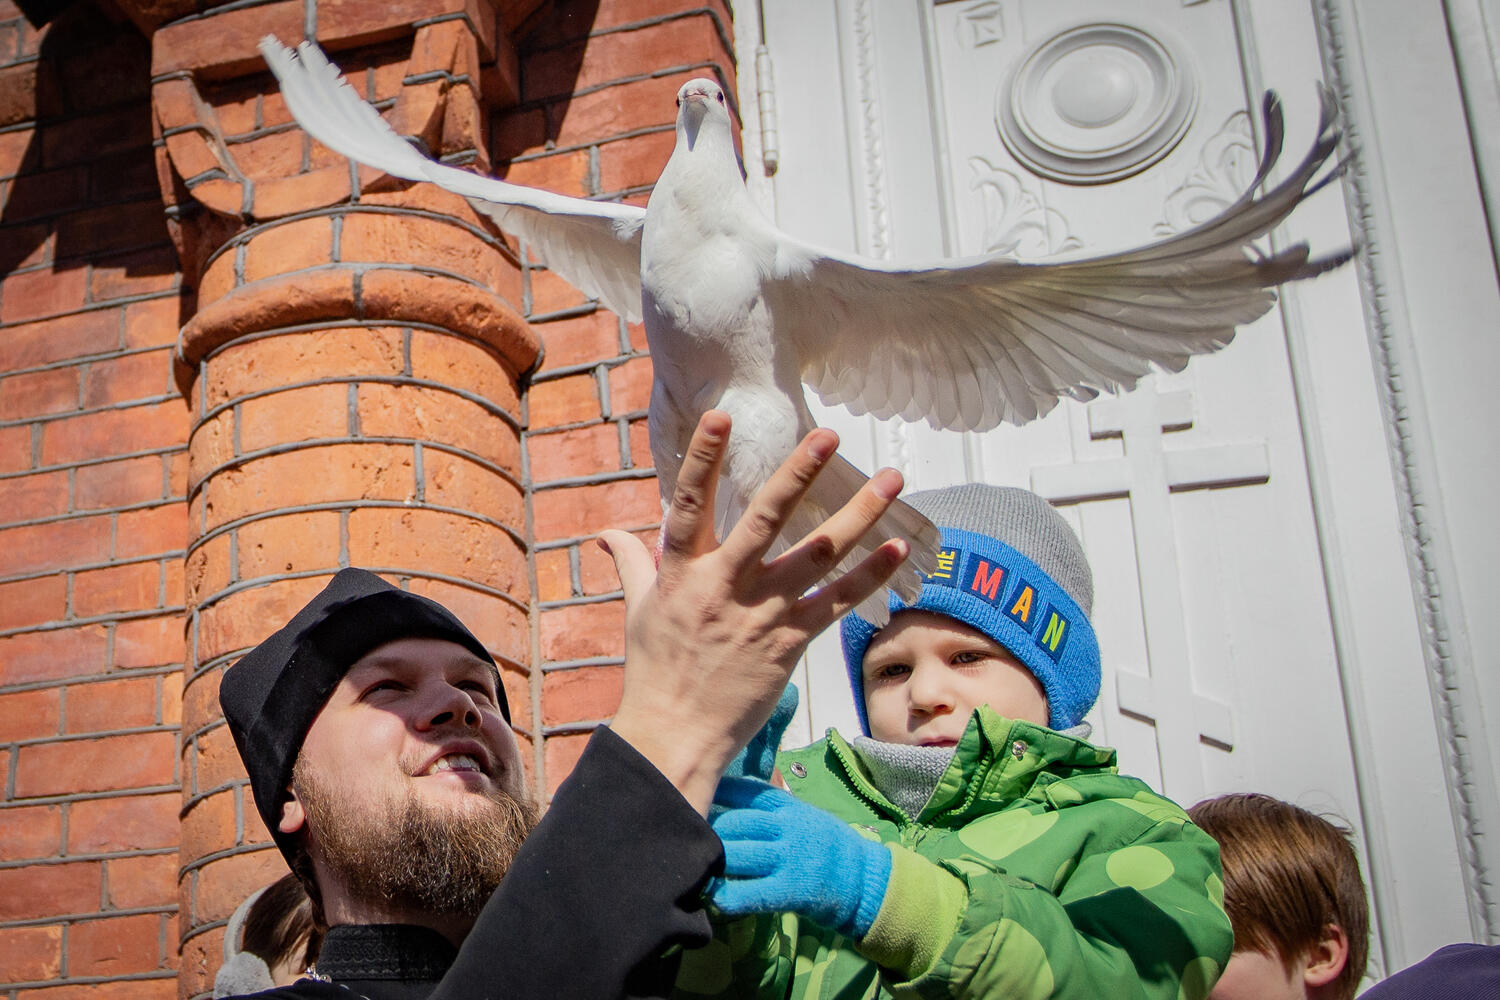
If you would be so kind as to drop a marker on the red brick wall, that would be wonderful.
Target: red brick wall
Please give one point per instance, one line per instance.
(595, 120)
(94, 479)
(92, 524)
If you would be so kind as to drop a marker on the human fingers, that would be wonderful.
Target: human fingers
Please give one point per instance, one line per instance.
(633, 564)
(826, 605)
(773, 503)
(814, 556)
(689, 525)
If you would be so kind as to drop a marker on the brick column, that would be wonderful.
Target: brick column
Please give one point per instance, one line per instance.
(352, 366)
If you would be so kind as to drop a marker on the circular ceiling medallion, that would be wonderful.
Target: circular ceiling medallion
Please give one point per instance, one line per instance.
(1096, 103)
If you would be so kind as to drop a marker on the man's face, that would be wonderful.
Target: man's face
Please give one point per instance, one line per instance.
(409, 782)
(925, 673)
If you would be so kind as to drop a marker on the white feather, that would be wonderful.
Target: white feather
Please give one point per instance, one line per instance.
(595, 245)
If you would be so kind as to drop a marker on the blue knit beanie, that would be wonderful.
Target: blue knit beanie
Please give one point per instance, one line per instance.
(1012, 568)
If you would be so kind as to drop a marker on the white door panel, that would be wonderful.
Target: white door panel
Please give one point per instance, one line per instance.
(1226, 665)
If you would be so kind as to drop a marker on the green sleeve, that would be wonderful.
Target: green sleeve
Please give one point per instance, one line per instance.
(1142, 922)
(918, 917)
(749, 958)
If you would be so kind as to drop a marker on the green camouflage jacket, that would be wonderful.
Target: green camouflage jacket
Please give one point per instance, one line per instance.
(1035, 870)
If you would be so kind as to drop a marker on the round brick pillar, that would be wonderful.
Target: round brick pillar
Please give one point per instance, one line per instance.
(359, 411)
(353, 366)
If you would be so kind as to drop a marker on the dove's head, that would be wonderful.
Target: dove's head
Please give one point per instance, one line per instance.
(701, 108)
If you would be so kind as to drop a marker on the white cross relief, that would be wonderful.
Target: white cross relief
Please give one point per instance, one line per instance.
(1146, 475)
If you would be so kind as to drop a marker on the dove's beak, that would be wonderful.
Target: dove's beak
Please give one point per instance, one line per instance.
(694, 102)
(690, 115)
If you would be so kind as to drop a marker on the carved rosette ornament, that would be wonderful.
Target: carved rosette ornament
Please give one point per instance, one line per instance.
(1097, 102)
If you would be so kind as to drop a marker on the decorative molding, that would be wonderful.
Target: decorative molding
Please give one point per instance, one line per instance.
(980, 25)
(1015, 221)
(898, 446)
(1410, 465)
(1097, 102)
(1225, 168)
(896, 433)
(872, 143)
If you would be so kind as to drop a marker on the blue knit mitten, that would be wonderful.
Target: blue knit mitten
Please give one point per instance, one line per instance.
(758, 758)
(783, 855)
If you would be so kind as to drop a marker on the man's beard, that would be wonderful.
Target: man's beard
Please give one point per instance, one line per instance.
(408, 854)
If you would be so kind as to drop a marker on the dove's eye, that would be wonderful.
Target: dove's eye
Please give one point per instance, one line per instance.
(719, 97)
(679, 102)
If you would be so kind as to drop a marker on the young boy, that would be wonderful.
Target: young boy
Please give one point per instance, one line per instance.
(977, 846)
(1293, 891)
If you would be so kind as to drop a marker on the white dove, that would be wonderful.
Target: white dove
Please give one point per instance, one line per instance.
(739, 315)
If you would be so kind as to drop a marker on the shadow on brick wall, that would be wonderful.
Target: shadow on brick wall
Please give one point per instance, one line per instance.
(84, 185)
(551, 51)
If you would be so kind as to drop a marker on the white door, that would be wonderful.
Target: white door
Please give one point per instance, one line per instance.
(910, 130)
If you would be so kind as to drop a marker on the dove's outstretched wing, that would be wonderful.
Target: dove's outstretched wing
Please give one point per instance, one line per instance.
(595, 245)
(967, 344)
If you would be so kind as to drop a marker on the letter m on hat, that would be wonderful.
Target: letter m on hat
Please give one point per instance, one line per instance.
(985, 579)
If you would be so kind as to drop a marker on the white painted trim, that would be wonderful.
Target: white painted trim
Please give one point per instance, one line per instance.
(1474, 28)
(1447, 655)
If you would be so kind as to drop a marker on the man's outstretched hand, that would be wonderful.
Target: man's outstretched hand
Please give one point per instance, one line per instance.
(713, 634)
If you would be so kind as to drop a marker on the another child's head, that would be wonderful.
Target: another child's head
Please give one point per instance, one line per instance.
(272, 938)
(1293, 892)
(282, 930)
(1003, 622)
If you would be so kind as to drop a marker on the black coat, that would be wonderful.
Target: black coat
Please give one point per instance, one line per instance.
(597, 896)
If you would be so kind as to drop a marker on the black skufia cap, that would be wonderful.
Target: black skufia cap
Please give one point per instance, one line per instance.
(272, 695)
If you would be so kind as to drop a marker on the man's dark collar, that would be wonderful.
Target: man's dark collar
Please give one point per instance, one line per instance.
(384, 951)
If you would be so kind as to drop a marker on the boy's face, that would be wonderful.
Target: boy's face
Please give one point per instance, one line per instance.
(925, 673)
(1254, 975)
(1312, 975)
(287, 969)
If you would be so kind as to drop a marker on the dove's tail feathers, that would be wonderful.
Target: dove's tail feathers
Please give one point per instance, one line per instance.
(332, 112)
(835, 486)
(902, 521)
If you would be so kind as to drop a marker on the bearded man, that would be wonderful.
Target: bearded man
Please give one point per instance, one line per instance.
(378, 743)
